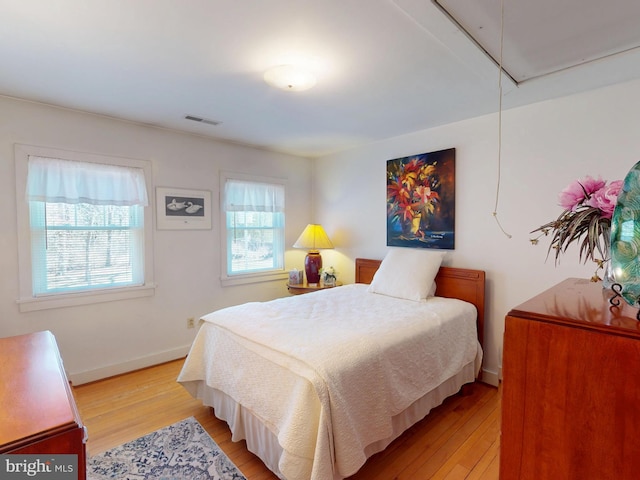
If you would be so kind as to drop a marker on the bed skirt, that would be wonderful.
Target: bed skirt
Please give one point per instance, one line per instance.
(263, 443)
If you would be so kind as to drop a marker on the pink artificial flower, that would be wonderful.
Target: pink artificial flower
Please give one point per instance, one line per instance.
(606, 198)
(577, 192)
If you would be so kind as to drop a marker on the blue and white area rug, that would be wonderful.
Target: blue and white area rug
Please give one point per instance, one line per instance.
(182, 451)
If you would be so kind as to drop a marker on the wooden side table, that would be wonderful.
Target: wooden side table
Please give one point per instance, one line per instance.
(300, 288)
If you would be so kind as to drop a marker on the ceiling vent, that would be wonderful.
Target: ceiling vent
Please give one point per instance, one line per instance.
(202, 120)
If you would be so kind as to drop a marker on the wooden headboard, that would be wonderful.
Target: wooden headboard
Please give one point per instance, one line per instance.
(462, 283)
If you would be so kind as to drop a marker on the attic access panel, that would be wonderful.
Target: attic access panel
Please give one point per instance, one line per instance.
(547, 36)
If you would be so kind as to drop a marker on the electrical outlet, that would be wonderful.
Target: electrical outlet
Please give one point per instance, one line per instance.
(191, 323)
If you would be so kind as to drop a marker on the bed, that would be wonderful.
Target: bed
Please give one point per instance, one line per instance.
(317, 383)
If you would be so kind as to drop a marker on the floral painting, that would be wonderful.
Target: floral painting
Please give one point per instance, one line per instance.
(421, 200)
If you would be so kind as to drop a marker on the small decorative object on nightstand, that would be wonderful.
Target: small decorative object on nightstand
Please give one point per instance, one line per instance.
(309, 287)
(329, 277)
(295, 277)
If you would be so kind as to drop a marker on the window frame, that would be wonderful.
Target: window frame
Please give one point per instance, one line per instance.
(250, 277)
(27, 301)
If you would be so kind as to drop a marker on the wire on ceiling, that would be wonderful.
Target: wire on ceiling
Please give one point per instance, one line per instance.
(495, 208)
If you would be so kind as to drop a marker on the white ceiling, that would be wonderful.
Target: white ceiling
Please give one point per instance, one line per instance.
(384, 67)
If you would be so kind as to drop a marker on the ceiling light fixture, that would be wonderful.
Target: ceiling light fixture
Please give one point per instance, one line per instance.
(290, 78)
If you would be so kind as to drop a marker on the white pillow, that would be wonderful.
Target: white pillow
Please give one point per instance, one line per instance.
(407, 273)
(432, 290)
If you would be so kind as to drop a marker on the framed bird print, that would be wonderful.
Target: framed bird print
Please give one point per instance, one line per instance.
(183, 209)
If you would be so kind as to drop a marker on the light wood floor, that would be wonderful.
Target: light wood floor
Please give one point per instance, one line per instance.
(458, 440)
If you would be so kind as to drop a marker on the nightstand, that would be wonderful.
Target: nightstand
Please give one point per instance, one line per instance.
(305, 287)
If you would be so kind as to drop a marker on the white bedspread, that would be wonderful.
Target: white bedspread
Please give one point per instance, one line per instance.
(339, 364)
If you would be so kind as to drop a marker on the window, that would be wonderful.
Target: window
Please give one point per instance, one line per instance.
(83, 246)
(85, 228)
(254, 226)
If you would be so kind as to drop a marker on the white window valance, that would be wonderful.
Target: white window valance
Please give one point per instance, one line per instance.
(54, 180)
(253, 197)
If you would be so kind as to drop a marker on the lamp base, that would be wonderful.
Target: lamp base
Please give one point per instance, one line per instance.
(312, 266)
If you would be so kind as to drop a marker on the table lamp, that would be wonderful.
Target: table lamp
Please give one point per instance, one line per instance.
(313, 238)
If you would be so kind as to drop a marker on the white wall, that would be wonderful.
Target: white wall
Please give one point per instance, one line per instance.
(545, 147)
(108, 338)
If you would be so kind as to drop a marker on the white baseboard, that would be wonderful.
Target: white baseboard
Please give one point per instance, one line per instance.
(491, 377)
(78, 378)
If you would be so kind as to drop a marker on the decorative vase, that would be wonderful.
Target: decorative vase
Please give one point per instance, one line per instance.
(313, 266)
(608, 277)
(415, 223)
(625, 238)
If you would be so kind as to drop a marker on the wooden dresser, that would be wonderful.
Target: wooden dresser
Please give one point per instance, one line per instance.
(38, 414)
(571, 387)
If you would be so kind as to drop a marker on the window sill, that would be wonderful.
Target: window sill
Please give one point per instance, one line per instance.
(253, 278)
(84, 298)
